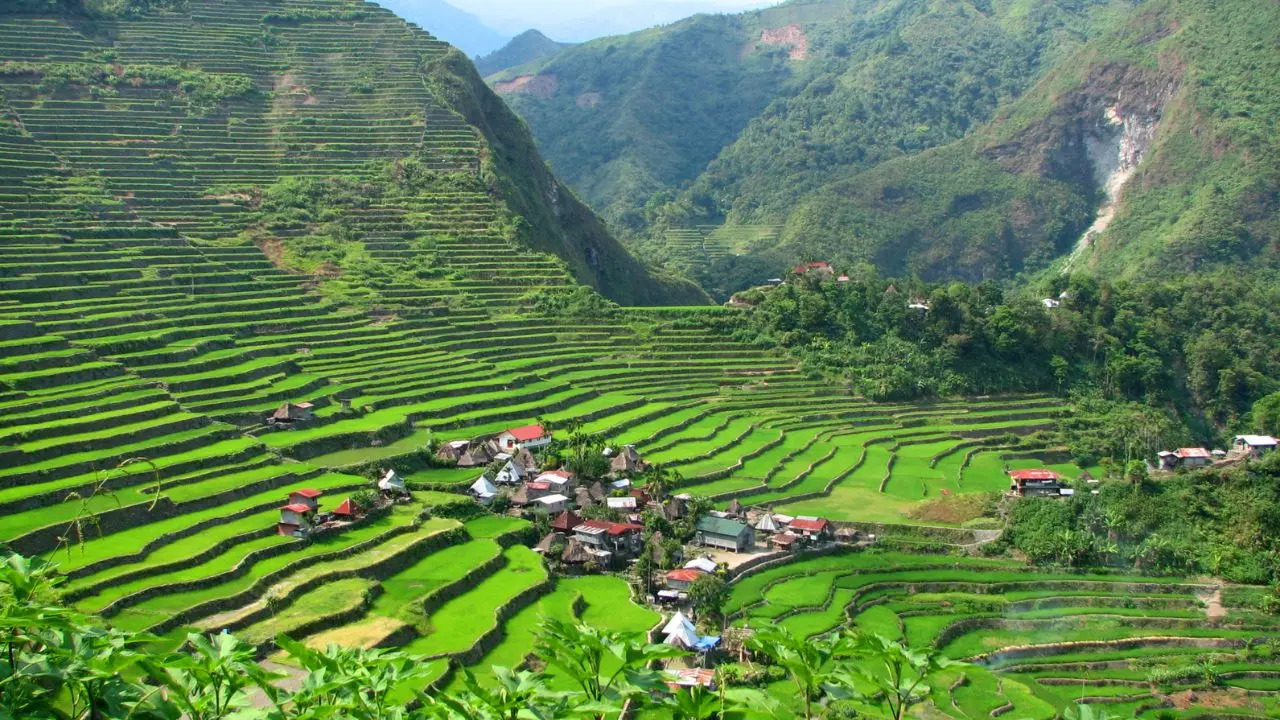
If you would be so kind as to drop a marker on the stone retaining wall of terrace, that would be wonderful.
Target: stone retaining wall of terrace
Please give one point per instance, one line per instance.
(35, 477)
(167, 538)
(765, 562)
(326, 622)
(434, 600)
(1011, 430)
(953, 536)
(242, 568)
(1036, 651)
(208, 553)
(495, 635)
(380, 570)
(106, 522)
(726, 472)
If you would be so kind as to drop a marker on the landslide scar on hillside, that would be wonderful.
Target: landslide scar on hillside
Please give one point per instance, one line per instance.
(790, 36)
(535, 85)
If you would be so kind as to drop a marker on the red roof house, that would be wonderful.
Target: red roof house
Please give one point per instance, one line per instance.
(809, 525)
(820, 266)
(565, 522)
(1025, 475)
(682, 578)
(523, 437)
(689, 677)
(1037, 482)
(305, 496)
(347, 509)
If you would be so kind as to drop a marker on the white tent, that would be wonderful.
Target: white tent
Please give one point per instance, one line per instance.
(677, 623)
(483, 489)
(766, 523)
(391, 482)
(684, 637)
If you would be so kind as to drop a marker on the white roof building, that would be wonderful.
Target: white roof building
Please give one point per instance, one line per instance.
(483, 489)
(552, 500)
(621, 503)
(510, 474)
(768, 523)
(1257, 441)
(706, 565)
(391, 482)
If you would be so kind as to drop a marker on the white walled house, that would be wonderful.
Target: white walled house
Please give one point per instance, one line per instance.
(525, 436)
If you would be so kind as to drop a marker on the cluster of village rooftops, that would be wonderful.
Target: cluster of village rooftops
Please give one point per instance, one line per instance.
(516, 478)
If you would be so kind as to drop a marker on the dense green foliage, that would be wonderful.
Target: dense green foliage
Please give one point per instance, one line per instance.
(631, 116)
(1220, 522)
(1200, 344)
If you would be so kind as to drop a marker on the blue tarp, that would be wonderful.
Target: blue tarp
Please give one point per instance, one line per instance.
(706, 642)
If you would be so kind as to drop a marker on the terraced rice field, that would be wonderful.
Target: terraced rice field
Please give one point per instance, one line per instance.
(696, 248)
(1034, 643)
(144, 337)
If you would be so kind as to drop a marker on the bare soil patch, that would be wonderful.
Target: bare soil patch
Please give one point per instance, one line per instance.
(790, 36)
(535, 85)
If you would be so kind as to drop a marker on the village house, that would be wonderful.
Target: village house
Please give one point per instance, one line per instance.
(306, 496)
(525, 436)
(510, 474)
(723, 533)
(561, 480)
(680, 580)
(627, 461)
(477, 455)
(550, 504)
(766, 523)
(821, 269)
(622, 539)
(684, 678)
(291, 414)
(813, 529)
(452, 450)
(1037, 483)
(785, 542)
(735, 509)
(296, 519)
(1185, 457)
(1254, 445)
(621, 504)
(565, 522)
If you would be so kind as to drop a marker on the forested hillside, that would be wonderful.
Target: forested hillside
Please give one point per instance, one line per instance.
(946, 140)
(524, 48)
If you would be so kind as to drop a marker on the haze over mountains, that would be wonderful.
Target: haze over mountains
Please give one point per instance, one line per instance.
(967, 140)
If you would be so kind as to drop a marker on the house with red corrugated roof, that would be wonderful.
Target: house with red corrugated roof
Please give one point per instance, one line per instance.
(1037, 483)
(306, 496)
(525, 436)
(682, 578)
(814, 529)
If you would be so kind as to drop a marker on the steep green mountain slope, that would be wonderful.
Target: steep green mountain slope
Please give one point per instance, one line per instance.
(276, 109)
(760, 107)
(1161, 132)
(623, 118)
(526, 47)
